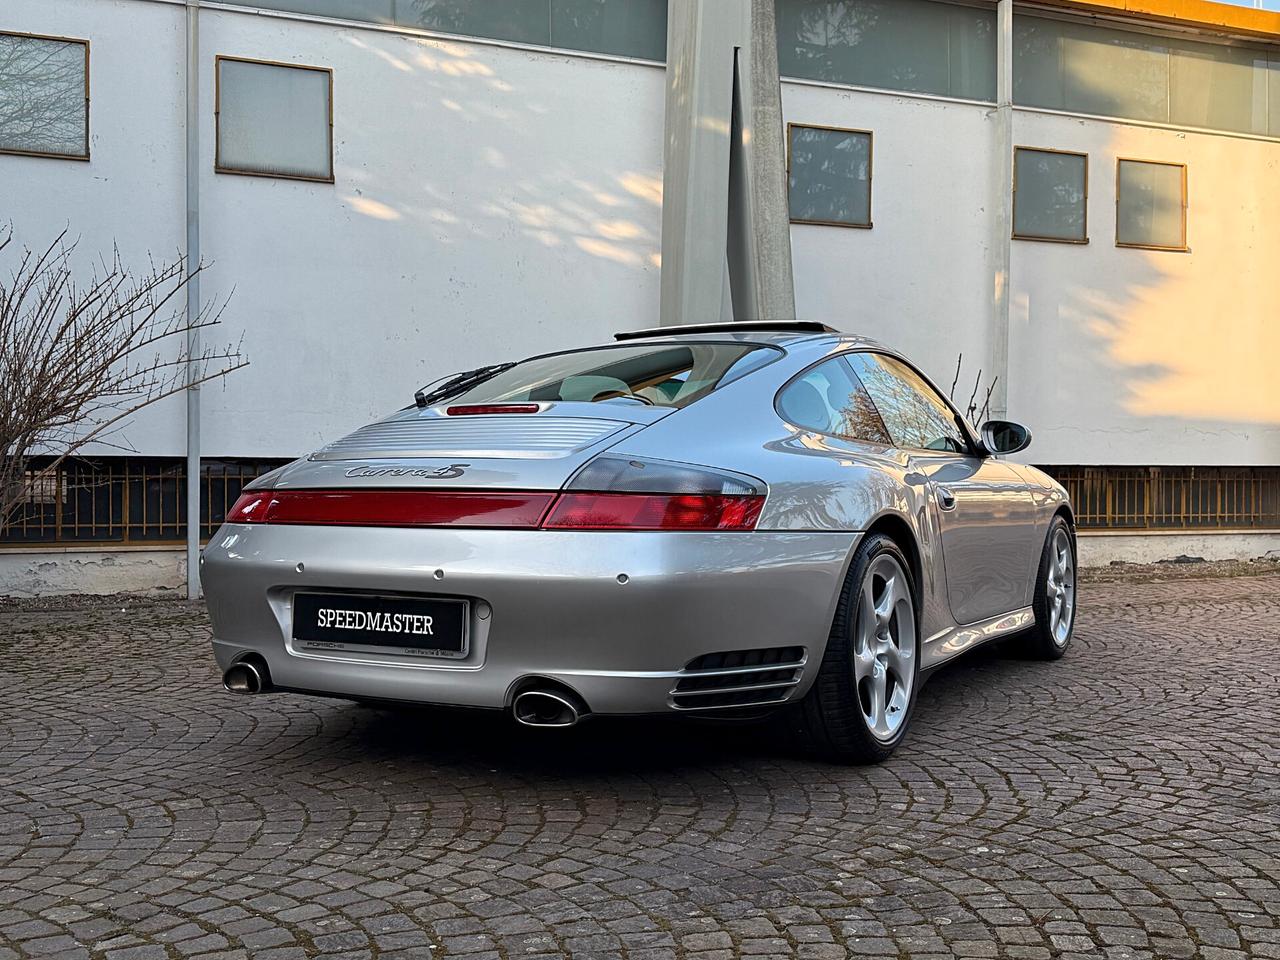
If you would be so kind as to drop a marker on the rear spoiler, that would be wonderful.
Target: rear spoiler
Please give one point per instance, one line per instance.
(741, 326)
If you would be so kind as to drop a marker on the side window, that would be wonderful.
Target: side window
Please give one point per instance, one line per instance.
(829, 399)
(914, 414)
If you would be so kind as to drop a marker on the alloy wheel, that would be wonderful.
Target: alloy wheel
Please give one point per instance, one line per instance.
(885, 647)
(1060, 587)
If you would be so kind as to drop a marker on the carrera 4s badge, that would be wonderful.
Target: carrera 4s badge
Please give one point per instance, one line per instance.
(450, 472)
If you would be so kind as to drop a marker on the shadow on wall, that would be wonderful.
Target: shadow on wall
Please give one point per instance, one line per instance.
(603, 217)
(1173, 339)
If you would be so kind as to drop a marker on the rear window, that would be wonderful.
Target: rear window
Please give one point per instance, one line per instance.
(659, 375)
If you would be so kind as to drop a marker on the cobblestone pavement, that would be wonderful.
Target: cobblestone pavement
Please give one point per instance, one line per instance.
(1124, 802)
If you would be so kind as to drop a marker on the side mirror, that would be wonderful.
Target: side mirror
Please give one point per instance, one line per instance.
(1004, 436)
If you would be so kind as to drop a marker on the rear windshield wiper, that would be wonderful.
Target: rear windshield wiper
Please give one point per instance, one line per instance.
(459, 382)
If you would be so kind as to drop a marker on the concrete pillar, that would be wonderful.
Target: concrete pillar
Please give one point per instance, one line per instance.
(726, 242)
(1002, 210)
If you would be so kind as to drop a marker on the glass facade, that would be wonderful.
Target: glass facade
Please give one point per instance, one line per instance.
(632, 28)
(1088, 68)
(918, 46)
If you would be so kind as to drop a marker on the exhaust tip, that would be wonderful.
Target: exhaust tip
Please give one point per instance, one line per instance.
(546, 708)
(245, 677)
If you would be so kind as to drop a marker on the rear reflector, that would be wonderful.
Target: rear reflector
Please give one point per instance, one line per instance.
(486, 409)
(649, 511)
(391, 508)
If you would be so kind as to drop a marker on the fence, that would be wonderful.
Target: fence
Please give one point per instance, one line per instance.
(1173, 498)
(126, 500)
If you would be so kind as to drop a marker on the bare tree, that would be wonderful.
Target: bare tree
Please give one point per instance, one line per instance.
(76, 361)
(978, 409)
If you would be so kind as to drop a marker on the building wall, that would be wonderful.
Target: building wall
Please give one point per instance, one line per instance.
(489, 203)
(1153, 357)
(493, 201)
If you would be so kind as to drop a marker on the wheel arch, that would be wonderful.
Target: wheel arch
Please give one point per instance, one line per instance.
(897, 529)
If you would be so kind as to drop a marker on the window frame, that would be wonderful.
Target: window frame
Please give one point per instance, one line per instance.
(970, 435)
(218, 166)
(1183, 248)
(871, 166)
(84, 157)
(1014, 234)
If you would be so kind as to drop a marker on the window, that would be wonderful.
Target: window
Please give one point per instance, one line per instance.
(656, 375)
(918, 46)
(1087, 68)
(44, 96)
(1050, 195)
(829, 399)
(274, 120)
(629, 28)
(913, 412)
(1151, 205)
(829, 175)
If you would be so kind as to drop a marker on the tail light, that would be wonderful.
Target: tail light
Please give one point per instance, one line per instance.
(609, 493)
(391, 508)
(621, 493)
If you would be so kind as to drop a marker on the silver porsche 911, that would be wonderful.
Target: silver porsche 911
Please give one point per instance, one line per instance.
(718, 520)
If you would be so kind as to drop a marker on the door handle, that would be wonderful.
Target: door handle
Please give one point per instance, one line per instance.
(946, 499)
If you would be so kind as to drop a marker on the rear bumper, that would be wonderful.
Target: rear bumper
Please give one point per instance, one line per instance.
(614, 616)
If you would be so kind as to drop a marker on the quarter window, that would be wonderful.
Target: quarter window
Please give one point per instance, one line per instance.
(274, 120)
(1050, 193)
(915, 415)
(44, 96)
(829, 399)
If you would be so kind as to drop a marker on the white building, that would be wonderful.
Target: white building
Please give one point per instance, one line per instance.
(450, 183)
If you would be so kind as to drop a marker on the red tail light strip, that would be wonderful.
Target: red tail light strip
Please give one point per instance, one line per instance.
(504, 510)
(391, 508)
(651, 511)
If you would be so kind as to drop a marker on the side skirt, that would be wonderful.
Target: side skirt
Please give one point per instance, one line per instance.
(954, 641)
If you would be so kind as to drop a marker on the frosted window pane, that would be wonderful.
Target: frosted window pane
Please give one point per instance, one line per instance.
(42, 96)
(1149, 209)
(374, 11)
(1219, 87)
(521, 21)
(1273, 96)
(1088, 69)
(273, 120)
(1049, 202)
(912, 45)
(629, 28)
(830, 178)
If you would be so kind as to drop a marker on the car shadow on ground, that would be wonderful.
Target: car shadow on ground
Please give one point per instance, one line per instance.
(603, 746)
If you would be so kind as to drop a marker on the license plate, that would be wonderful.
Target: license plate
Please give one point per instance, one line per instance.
(419, 626)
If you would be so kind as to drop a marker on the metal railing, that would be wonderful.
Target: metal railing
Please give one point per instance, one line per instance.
(1173, 498)
(125, 500)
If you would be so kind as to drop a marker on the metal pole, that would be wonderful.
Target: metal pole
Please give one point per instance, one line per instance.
(1002, 206)
(193, 298)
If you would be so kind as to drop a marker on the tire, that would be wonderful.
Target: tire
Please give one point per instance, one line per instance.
(837, 718)
(1054, 603)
